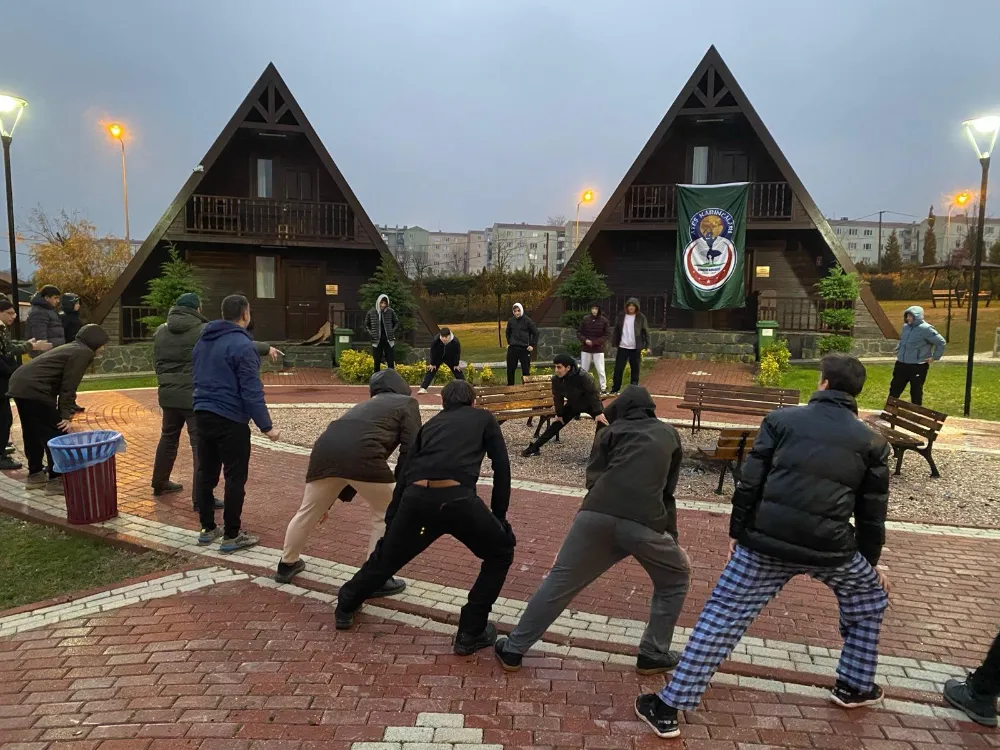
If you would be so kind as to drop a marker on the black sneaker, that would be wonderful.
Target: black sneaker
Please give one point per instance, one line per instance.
(288, 571)
(9, 464)
(982, 709)
(467, 644)
(390, 588)
(510, 662)
(661, 717)
(344, 620)
(168, 488)
(216, 503)
(531, 450)
(847, 697)
(657, 665)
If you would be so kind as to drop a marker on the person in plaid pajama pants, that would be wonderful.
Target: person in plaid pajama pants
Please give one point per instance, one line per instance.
(810, 470)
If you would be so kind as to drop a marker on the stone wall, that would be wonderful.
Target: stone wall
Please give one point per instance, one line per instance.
(124, 358)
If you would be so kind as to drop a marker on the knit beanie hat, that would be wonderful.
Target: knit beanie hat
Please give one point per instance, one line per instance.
(190, 299)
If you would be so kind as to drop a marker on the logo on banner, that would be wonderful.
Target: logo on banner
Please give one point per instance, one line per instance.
(710, 256)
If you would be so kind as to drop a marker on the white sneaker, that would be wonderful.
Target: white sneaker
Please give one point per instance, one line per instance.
(422, 391)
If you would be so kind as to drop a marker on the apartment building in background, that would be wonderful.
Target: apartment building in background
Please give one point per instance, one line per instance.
(528, 247)
(477, 250)
(448, 253)
(860, 237)
(410, 246)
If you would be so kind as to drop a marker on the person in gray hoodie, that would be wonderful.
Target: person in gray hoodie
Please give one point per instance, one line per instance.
(919, 345)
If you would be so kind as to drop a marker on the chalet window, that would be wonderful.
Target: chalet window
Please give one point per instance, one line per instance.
(265, 181)
(699, 165)
(266, 277)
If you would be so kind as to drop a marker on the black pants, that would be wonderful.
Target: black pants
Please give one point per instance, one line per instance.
(173, 423)
(39, 422)
(382, 350)
(517, 355)
(429, 377)
(423, 516)
(555, 427)
(631, 357)
(986, 679)
(222, 445)
(6, 415)
(912, 375)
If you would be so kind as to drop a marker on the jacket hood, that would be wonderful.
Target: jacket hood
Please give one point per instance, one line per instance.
(519, 306)
(388, 381)
(600, 310)
(633, 301)
(68, 302)
(837, 398)
(182, 319)
(378, 302)
(917, 312)
(93, 336)
(39, 300)
(216, 329)
(633, 403)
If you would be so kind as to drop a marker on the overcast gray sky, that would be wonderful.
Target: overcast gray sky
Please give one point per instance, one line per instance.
(455, 114)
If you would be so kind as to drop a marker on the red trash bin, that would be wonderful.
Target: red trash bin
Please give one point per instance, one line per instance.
(92, 489)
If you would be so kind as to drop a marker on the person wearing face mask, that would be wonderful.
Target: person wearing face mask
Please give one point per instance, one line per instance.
(445, 350)
(10, 359)
(522, 338)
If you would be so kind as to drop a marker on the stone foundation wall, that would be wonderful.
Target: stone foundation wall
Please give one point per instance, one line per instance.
(124, 358)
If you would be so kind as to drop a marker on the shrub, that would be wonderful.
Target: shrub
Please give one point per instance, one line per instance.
(573, 318)
(573, 348)
(910, 283)
(777, 350)
(829, 344)
(356, 367)
(768, 372)
(838, 319)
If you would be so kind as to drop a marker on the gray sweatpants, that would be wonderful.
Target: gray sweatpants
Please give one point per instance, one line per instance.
(594, 544)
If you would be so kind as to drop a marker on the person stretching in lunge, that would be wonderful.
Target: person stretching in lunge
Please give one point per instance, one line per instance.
(573, 393)
(810, 469)
(352, 455)
(445, 350)
(629, 511)
(436, 495)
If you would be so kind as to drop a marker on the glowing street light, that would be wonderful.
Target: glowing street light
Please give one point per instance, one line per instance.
(11, 109)
(586, 197)
(117, 131)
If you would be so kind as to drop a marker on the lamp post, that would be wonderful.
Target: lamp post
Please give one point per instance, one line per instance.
(118, 133)
(959, 200)
(982, 133)
(11, 108)
(586, 197)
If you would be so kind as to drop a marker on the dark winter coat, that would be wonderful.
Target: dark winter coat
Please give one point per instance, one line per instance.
(448, 354)
(53, 376)
(378, 320)
(812, 468)
(641, 326)
(634, 465)
(522, 331)
(71, 322)
(10, 354)
(576, 393)
(596, 329)
(358, 445)
(43, 323)
(226, 375)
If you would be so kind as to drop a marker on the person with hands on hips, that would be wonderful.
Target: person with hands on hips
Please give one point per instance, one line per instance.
(382, 323)
(919, 345)
(522, 338)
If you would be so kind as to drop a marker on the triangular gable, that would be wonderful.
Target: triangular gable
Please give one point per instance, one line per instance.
(712, 88)
(269, 105)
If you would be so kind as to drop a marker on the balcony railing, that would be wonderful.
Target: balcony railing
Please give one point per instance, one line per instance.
(266, 218)
(798, 313)
(768, 201)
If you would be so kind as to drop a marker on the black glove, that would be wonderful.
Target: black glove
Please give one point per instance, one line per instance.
(347, 494)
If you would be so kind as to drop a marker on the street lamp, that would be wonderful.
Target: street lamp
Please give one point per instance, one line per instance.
(11, 108)
(586, 197)
(118, 133)
(982, 133)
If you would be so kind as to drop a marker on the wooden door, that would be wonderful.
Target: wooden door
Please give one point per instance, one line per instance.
(305, 298)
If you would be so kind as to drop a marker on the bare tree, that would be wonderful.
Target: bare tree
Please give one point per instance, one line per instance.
(497, 275)
(456, 260)
(559, 220)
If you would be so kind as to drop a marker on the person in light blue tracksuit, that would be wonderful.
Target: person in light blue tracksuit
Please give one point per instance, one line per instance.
(919, 345)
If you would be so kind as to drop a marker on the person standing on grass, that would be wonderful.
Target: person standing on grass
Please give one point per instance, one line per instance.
(573, 393)
(522, 338)
(631, 338)
(44, 323)
(435, 495)
(353, 452)
(919, 345)
(173, 344)
(810, 470)
(977, 695)
(44, 391)
(593, 334)
(382, 323)
(227, 395)
(445, 350)
(629, 511)
(10, 359)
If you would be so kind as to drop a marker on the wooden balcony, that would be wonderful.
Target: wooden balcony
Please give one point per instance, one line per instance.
(799, 314)
(657, 204)
(268, 219)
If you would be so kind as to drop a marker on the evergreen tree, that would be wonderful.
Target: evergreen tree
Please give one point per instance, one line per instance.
(389, 282)
(994, 256)
(581, 288)
(176, 278)
(930, 241)
(892, 260)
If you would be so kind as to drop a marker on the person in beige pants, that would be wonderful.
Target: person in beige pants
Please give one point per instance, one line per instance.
(351, 458)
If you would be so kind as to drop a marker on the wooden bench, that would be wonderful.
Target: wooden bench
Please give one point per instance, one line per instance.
(730, 449)
(943, 294)
(911, 428)
(543, 421)
(750, 400)
(518, 401)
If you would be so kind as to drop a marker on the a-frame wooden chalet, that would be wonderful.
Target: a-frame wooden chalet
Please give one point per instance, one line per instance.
(710, 135)
(268, 214)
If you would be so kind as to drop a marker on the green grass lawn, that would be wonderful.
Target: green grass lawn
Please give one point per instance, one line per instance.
(479, 341)
(944, 390)
(39, 562)
(117, 384)
(987, 321)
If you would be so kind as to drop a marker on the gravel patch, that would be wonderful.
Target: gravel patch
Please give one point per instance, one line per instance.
(967, 494)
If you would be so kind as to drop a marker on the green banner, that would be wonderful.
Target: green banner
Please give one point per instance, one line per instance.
(711, 236)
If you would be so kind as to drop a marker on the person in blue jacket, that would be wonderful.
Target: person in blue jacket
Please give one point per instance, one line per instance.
(919, 345)
(227, 395)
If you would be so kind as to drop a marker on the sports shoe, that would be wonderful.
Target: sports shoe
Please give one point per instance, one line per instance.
(54, 487)
(344, 620)
(982, 709)
(422, 392)
(168, 488)
(847, 697)
(242, 540)
(9, 464)
(36, 481)
(657, 665)
(206, 537)
(390, 588)
(288, 571)
(660, 717)
(510, 662)
(467, 644)
(531, 450)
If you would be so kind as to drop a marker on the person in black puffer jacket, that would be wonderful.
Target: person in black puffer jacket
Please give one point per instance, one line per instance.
(573, 393)
(522, 338)
(44, 323)
(810, 470)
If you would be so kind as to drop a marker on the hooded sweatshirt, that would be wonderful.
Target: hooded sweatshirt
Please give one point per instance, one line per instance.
(596, 329)
(635, 464)
(521, 331)
(53, 376)
(382, 324)
(576, 393)
(357, 446)
(226, 375)
(44, 323)
(448, 354)
(640, 329)
(919, 340)
(71, 322)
